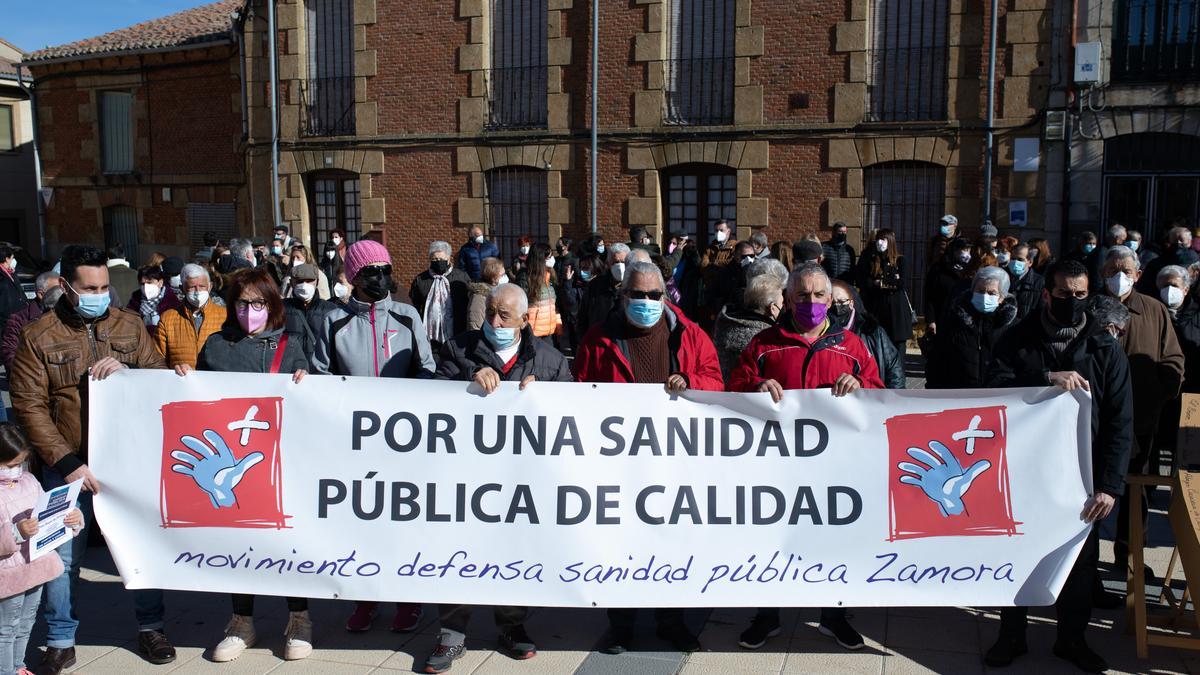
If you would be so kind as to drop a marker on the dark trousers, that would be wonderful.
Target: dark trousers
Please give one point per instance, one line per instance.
(1142, 451)
(456, 617)
(243, 604)
(1074, 606)
(828, 614)
(625, 618)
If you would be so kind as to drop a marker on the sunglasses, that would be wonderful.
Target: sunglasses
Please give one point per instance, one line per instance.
(644, 295)
(380, 270)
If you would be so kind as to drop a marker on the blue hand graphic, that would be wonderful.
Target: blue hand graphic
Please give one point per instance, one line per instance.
(216, 470)
(944, 481)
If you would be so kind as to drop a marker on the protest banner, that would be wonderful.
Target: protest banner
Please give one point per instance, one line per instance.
(588, 495)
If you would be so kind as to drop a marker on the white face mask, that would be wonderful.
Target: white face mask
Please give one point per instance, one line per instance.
(337, 241)
(305, 291)
(1172, 296)
(617, 271)
(550, 263)
(1119, 284)
(502, 280)
(330, 254)
(296, 262)
(881, 245)
(341, 291)
(479, 239)
(524, 250)
(151, 291)
(11, 473)
(197, 299)
(177, 282)
(722, 236)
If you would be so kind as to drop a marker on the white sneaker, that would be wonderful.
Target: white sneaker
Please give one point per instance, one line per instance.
(299, 637)
(239, 636)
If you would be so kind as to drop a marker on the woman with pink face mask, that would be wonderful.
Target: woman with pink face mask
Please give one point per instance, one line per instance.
(253, 341)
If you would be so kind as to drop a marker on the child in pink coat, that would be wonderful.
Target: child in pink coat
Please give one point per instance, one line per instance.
(20, 579)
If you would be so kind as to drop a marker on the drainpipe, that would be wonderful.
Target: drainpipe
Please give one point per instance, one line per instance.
(240, 27)
(595, 105)
(275, 115)
(37, 161)
(991, 116)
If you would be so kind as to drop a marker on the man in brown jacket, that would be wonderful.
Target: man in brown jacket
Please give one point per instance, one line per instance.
(1155, 367)
(82, 339)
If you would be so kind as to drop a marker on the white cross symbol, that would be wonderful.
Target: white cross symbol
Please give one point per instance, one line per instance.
(248, 424)
(970, 434)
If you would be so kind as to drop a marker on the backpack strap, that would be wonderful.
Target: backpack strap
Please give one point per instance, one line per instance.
(277, 361)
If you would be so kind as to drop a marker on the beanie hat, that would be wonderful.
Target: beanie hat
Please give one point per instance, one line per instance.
(362, 253)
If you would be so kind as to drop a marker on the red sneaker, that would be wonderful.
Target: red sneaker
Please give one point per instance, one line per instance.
(408, 615)
(364, 614)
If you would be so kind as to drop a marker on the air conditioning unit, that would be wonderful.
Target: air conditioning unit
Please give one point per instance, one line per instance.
(1056, 125)
(1087, 63)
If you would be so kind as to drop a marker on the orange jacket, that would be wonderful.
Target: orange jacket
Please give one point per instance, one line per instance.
(177, 338)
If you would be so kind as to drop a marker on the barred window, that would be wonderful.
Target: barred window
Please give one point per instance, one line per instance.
(220, 219)
(116, 132)
(1156, 40)
(121, 227)
(517, 206)
(698, 196)
(517, 77)
(908, 60)
(700, 62)
(329, 90)
(334, 204)
(909, 198)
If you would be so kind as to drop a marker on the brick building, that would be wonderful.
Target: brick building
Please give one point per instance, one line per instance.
(417, 120)
(18, 179)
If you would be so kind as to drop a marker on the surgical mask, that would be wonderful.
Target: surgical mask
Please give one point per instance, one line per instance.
(151, 291)
(881, 245)
(375, 286)
(722, 236)
(809, 315)
(500, 338)
(176, 282)
(985, 303)
(1018, 267)
(1067, 311)
(479, 239)
(645, 241)
(11, 474)
(524, 250)
(337, 241)
(277, 250)
(839, 238)
(252, 320)
(12, 266)
(1088, 248)
(197, 299)
(585, 275)
(946, 230)
(600, 248)
(550, 263)
(963, 257)
(502, 280)
(1172, 296)
(671, 248)
(305, 291)
(617, 271)
(439, 267)
(644, 313)
(746, 260)
(330, 254)
(1003, 258)
(1133, 244)
(91, 306)
(296, 262)
(1119, 284)
(341, 291)
(842, 315)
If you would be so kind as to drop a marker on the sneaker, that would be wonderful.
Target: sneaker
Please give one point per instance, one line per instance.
(617, 641)
(760, 629)
(679, 636)
(1005, 651)
(364, 614)
(155, 646)
(1081, 655)
(299, 637)
(239, 636)
(843, 632)
(408, 615)
(517, 642)
(444, 656)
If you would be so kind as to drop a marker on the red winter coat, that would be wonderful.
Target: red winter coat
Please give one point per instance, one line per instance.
(604, 355)
(796, 362)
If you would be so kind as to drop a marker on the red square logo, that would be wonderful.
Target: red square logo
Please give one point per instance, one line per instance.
(948, 475)
(221, 464)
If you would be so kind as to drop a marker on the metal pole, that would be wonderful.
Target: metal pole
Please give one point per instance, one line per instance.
(595, 105)
(37, 161)
(274, 117)
(991, 116)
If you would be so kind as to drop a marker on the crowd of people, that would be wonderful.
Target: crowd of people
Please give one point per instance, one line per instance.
(1121, 320)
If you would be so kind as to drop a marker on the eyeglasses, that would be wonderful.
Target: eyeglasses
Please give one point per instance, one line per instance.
(644, 295)
(258, 305)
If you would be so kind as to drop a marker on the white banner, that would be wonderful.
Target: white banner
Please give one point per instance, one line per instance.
(588, 495)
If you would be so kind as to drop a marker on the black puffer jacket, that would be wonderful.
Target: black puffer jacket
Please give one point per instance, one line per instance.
(1023, 359)
(597, 300)
(1028, 291)
(889, 360)
(304, 322)
(965, 342)
(470, 352)
(233, 351)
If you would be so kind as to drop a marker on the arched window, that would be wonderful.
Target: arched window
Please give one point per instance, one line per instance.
(329, 91)
(121, 227)
(517, 206)
(517, 77)
(334, 204)
(697, 196)
(909, 198)
(908, 60)
(700, 62)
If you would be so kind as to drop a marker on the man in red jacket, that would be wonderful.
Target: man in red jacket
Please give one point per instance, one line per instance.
(647, 341)
(804, 351)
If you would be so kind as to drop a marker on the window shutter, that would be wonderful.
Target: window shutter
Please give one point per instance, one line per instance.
(908, 60)
(330, 90)
(7, 140)
(116, 121)
(700, 62)
(517, 77)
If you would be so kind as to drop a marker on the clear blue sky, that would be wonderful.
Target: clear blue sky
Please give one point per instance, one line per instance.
(34, 24)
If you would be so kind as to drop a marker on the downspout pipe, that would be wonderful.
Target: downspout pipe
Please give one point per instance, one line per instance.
(37, 160)
(595, 104)
(989, 143)
(275, 114)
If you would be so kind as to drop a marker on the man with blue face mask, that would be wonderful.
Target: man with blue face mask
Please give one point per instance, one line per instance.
(1026, 284)
(81, 339)
(646, 340)
(503, 350)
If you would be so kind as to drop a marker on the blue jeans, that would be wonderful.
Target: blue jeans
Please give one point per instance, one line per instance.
(61, 620)
(17, 614)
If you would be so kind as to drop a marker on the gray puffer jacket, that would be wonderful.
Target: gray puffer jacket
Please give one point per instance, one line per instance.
(381, 339)
(233, 351)
(733, 331)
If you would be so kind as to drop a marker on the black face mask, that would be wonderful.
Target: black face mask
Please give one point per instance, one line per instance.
(375, 283)
(1067, 311)
(839, 315)
(839, 238)
(439, 267)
